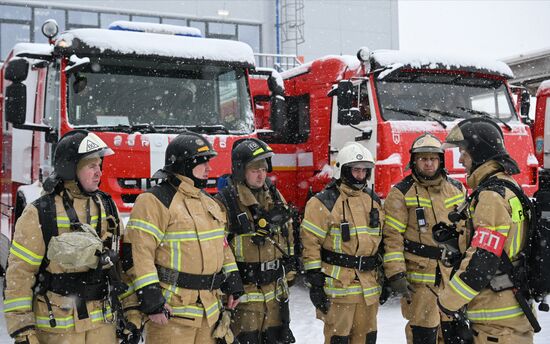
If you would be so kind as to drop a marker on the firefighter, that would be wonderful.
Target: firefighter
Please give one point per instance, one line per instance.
(341, 233)
(261, 239)
(412, 260)
(499, 229)
(180, 261)
(61, 260)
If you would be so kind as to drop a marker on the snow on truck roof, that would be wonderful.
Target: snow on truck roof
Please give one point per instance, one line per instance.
(398, 59)
(32, 48)
(385, 58)
(89, 42)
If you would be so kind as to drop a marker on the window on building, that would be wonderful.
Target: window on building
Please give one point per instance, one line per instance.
(106, 19)
(222, 30)
(83, 19)
(172, 21)
(43, 14)
(15, 12)
(146, 19)
(250, 34)
(11, 34)
(199, 25)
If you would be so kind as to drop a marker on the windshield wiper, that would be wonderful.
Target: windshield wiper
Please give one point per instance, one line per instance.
(209, 129)
(125, 128)
(484, 114)
(443, 112)
(416, 114)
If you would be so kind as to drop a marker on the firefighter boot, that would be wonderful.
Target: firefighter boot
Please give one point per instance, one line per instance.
(424, 335)
(371, 337)
(339, 340)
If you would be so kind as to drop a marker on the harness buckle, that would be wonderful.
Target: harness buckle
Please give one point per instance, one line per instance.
(360, 263)
(270, 265)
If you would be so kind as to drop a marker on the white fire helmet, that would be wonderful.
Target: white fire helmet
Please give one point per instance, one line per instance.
(352, 152)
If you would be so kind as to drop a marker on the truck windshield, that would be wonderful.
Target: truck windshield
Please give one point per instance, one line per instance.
(138, 94)
(418, 97)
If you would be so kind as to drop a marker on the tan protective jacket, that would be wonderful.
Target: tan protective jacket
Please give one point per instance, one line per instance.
(499, 224)
(438, 197)
(186, 235)
(320, 228)
(24, 310)
(246, 251)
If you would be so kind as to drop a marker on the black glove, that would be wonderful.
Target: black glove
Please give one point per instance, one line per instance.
(316, 292)
(400, 285)
(233, 285)
(151, 299)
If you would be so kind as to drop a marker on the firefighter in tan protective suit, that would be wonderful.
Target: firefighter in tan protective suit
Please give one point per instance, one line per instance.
(499, 228)
(66, 242)
(180, 263)
(341, 233)
(414, 207)
(260, 235)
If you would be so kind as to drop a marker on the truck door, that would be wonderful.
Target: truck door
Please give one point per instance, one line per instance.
(364, 132)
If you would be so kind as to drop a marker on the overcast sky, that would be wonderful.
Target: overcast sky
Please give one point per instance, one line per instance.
(493, 29)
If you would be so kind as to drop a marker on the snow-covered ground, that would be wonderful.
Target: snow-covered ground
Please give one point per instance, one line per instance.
(309, 330)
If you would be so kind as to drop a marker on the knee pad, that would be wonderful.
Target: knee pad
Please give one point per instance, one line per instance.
(424, 335)
(339, 340)
(252, 337)
(371, 337)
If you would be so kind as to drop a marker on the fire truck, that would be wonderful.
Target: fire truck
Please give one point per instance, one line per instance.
(384, 99)
(133, 87)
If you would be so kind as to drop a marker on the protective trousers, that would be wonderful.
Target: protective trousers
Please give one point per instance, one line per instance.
(176, 333)
(253, 318)
(352, 320)
(422, 314)
(491, 334)
(104, 334)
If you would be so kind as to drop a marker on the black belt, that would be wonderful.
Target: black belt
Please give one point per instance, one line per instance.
(363, 263)
(423, 250)
(190, 281)
(261, 273)
(87, 286)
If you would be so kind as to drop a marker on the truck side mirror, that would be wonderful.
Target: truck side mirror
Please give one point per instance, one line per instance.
(346, 114)
(16, 103)
(278, 113)
(17, 70)
(525, 104)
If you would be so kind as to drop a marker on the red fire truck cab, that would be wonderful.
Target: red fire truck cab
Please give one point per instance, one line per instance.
(135, 90)
(385, 99)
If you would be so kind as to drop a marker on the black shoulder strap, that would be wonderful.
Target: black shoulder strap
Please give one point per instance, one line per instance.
(164, 192)
(373, 194)
(405, 184)
(47, 217)
(228, 196)
(328, 196)
(110, 209)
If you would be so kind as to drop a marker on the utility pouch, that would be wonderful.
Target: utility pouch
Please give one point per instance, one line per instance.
(344, 229)
(421, 219)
